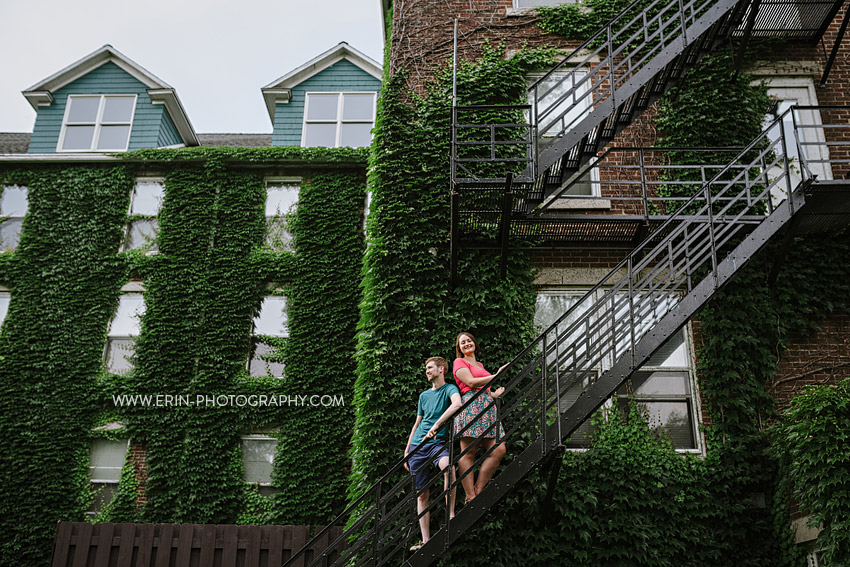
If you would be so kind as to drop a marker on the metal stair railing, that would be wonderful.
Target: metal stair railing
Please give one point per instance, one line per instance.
(588, 352)
(588, 87)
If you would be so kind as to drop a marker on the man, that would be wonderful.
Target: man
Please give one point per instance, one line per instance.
(436, 407)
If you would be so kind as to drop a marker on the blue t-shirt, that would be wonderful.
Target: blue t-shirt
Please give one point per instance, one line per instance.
(432, 404)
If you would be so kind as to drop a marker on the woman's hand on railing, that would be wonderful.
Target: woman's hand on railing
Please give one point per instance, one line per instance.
(498, 392)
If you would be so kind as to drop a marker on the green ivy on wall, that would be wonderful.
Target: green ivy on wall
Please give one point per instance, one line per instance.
(201, 292)
(409, 311)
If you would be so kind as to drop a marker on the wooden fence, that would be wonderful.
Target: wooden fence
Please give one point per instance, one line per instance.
(82, 544)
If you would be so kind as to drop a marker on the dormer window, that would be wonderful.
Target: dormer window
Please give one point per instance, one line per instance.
(97, 123)
(339, 119)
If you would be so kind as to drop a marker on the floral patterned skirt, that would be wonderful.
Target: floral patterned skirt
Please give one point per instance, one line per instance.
(480, 419)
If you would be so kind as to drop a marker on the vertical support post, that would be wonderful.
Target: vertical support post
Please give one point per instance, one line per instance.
(558, 386)
(804, 160)
(454, 244)
(631, 310)
(505, 228)
(610, 57)
(684, 23)
(766, 181)
(543, 394)
(643, 185)
(375, 550)
(708, 206)
(451, 486)
(787, 167)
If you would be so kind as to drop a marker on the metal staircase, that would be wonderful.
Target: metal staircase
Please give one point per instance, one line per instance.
(554, 385)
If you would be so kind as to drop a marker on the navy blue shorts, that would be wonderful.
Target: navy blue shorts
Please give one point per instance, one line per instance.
(418, 463)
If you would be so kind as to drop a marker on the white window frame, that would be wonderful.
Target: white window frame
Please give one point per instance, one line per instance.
(339, 120)
(133, 288)
(692, 386)
(593, 181)
(125, 244)
(97, 482)
(279, 220)
(14, 217)
(255, 338)
(5, 302)
(517, 4)
(266, 487)
(98, 123)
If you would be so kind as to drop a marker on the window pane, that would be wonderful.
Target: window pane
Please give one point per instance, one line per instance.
(107, 458)
(323, 135)
(78, 138)
(147, 198)
(272, 318)
(551, 305)
(281, 199)
(581, 436)
(257, 458)
(126, 323)
(583, 187)
(10, 234)
(14, 201)
(358, 107)
(356, 135)
(556, 96)
(5, 298)
(83, 108)
(118, 108)
(119, 355)
(142, 234)
(659, 384)
(260, 365)
(113, 137)
(104, 492)
(672, 419)
(674, 352)
(322, 106)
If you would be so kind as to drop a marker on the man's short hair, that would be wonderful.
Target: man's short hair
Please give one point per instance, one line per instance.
(439, 361)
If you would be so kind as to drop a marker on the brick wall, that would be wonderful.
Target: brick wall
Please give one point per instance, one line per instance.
(820, 358)
(138, 455)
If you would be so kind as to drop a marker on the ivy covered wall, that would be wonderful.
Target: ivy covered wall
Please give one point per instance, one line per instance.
(202, 290)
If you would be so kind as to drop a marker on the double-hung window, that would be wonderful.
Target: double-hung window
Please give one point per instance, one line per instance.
(5, 299)
(269, 324)
(142, 226)
(105, 464)
(258, 459)
(281, 202)
(338, 119)
(123, 330)
(664, 386)
(97, 123)
(563, 98)
(13, 209)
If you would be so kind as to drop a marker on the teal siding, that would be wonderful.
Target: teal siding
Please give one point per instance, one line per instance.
(168, 135)
(106, 79)
(342, 76)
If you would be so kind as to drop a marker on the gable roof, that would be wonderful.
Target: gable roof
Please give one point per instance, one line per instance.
(280, 90)
(160, 92)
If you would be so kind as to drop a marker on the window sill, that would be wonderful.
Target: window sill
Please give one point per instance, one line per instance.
(571, 203)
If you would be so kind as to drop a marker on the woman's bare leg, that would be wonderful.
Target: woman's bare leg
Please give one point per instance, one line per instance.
(490, 464)
(465, 463)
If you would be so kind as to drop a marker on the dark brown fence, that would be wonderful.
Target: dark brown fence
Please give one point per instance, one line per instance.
(82, 544)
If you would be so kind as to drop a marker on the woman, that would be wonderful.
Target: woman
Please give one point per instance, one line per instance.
(471, 376)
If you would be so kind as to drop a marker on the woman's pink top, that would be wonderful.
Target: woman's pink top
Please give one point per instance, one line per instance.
(477, 372)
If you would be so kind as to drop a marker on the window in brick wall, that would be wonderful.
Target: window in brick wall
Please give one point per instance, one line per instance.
(664, 386)
(13, 209)
(106, 460)
(561, 117)
(145, 202)
(257, 460)
(805, 144)
(122, 333)
(271, 322)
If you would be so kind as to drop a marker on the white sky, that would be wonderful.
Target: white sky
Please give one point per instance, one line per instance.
(217, 54)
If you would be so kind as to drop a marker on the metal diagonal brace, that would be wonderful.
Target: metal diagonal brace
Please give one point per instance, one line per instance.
(505, 223)
(835, 47)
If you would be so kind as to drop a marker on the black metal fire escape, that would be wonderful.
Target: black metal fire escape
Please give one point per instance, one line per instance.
(694, 246)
